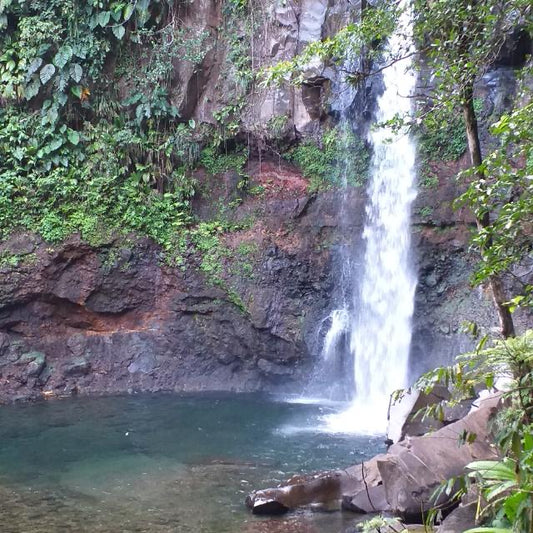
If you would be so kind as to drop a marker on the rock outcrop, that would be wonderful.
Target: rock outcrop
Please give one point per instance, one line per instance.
(400, 481)
(406, 417)
(74, 318)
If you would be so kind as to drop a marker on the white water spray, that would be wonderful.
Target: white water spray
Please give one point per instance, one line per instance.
(379, 327)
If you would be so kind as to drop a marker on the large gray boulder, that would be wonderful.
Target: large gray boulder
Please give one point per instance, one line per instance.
(462, 517)
(405, 418)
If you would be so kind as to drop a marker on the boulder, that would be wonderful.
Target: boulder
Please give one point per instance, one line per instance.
(329, 490)
(35, 362)
(363, 490)
(405, 421)
(370, 500)
(414, 467)
(462, 517)
(400, 481)
(266, 506)
(324, 488)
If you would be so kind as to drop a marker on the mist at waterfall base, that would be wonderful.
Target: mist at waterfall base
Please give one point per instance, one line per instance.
(374, 325)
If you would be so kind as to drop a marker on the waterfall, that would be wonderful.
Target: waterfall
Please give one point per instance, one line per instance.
(376, 323)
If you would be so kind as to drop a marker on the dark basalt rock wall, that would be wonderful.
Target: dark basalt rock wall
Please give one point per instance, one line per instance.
(115, 319)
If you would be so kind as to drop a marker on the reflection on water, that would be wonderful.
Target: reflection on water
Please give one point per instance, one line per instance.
(162, 463)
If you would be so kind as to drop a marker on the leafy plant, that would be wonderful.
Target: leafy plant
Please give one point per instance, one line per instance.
(378, 522)
(426, 211)
(217, 160)
(342, 158)
(429, 180)
(58, 185)
(507, 484)
(442, 136)
(506, 191)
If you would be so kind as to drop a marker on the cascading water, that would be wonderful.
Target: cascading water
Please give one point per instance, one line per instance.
(377, 323)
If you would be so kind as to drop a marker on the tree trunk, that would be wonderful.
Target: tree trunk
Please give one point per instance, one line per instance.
(474, 147)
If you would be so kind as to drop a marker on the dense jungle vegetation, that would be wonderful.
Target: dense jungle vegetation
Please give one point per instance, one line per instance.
(90, 142)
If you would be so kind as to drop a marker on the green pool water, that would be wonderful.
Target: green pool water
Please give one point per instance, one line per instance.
(163, 463)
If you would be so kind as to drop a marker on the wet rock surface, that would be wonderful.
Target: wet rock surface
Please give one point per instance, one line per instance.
(399, 482)
(75, 318)
(406, 418)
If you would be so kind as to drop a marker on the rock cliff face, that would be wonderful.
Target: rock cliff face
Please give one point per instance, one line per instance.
(114, 319)
(274, 31)
(74, 318)
(78, 319)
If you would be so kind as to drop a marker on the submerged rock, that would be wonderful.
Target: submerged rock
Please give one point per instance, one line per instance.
(302, 491)
(266, 506)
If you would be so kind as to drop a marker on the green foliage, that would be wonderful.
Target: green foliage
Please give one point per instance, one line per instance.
(506, 191)
(156, 50)
(237, 32)
(442, 135)
(216, 160)
(378, 522)
(11, 260)
(426, 212)
(216, 258)
(429, 180)
(242, 261)
(505, 484)
(76, 159)
(342, 158)
(52, 49)
(461, 39)
(236, 72)
(351, 41)
(276, 126)
(56, 186)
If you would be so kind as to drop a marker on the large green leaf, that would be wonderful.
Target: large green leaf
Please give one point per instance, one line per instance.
(32, 89)
(76, 72)
(119, 32)
(128, 10)
(497, 470)
(103, 18)
(73, 136)
(47, 72)
(63, 56)
(34, 66)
